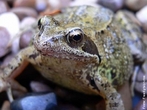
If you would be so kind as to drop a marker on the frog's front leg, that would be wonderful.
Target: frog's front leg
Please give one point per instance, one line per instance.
(15, 67)
(111, 96)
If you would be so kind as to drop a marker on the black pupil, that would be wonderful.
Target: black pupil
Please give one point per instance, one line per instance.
(77, 37)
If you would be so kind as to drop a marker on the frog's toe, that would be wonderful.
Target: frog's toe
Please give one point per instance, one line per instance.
(3, 85)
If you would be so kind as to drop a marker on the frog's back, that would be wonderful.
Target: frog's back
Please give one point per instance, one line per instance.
(85, 16)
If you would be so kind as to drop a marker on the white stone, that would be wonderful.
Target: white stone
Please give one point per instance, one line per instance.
(11, 22)
(54, 4)
(27, 21)
(84, 2)
(41, 4)
(142, 15)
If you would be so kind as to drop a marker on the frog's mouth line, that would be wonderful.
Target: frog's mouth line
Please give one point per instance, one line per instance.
(65, 53)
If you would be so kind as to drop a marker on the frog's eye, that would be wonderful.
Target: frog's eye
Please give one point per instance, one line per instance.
(75, 36)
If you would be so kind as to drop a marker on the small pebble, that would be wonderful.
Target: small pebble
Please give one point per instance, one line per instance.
(11, 22)
(23, 12)
(57, 4)
(86, 2)
(141, 80)
(24, 3)
(142, 17)
(141, 74)
(4, 40)
(3, 7)
(15, 45)
(7, 60)
(41, 5)
(114, 5)
(135, 4)
(144, 38)
(35, 101)
(25, 38)
(64, 3)
(39, 87)
(27, 21)
(6, 105)
(136, 99)
(38, 5)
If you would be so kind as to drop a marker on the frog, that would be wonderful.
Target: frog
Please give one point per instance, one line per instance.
(83, 49)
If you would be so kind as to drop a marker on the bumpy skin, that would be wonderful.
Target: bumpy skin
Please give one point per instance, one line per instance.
(130, 28)
(82, 49)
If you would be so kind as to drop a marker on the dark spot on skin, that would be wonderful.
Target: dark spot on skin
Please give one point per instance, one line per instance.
(45, 43)
(105, 85)
(120, 20)
(59, 32)
(112, 96)
(20, 59)
(98, 33)
(103, 71)
(115, 82)
(92, 83)
(113, 74)
(33, 55)
(102, 32)
(56, 22)
(129, 31)
(11, 67)
(125, 25)
(104, 67)
(40, 64)
(113, 104)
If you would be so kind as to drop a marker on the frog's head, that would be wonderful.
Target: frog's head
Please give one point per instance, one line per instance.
(65, 43)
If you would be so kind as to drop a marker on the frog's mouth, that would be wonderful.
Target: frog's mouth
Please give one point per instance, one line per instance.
(64, 51)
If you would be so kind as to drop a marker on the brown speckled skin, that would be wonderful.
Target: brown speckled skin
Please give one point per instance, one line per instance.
(97, 64)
